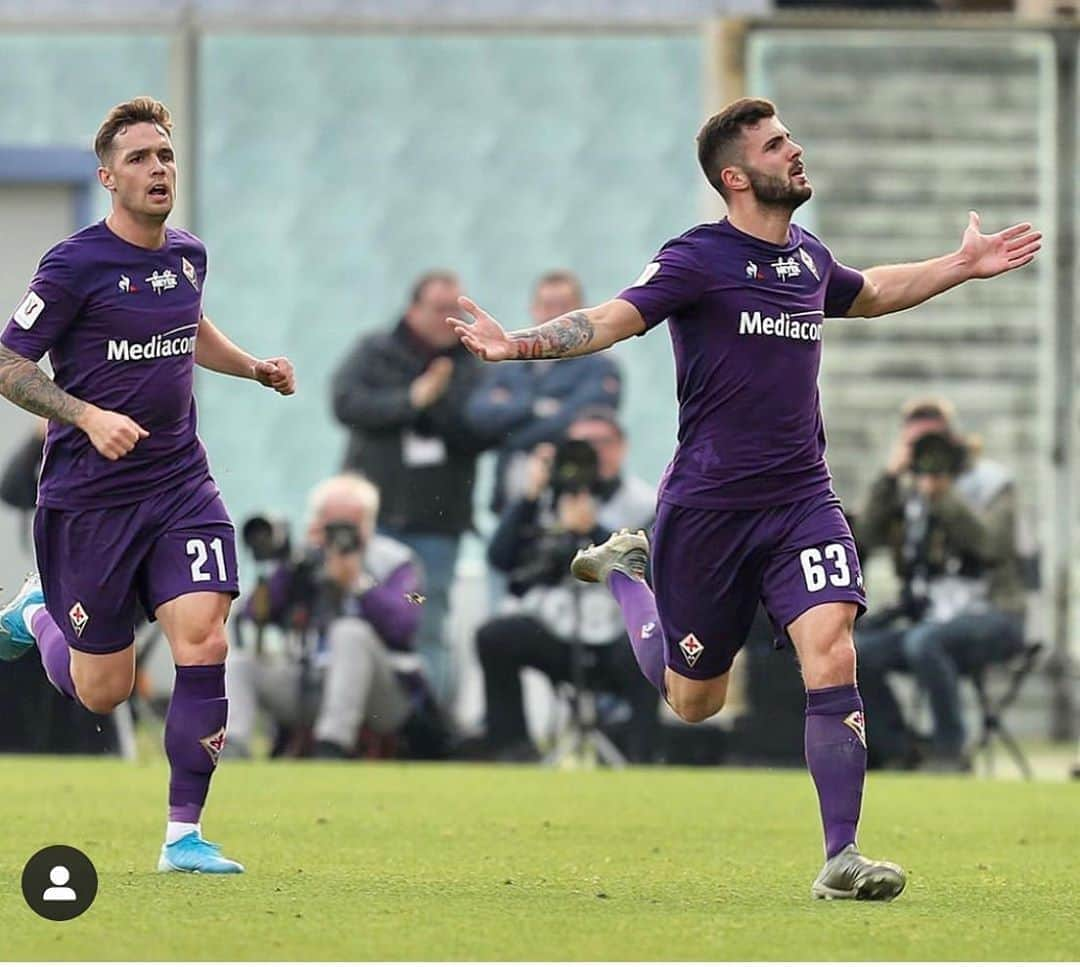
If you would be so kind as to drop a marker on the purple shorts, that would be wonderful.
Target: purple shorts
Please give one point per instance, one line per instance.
(711, 567)
(98, 566)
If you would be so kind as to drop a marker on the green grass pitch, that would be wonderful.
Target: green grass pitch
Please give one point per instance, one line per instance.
(364, 861)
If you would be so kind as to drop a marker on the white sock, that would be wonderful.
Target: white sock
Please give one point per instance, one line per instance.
(28, 615)
(175, 831)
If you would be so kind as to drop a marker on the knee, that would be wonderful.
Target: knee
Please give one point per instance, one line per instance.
(205, 646)
(352, 640)
(840, 657)
(834, 661)
(696, 709)
(698, 702)
(352, 633)
(103, 696)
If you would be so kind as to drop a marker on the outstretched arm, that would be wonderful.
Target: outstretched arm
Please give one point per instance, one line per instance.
(215, 351)
(890, 288)
(575, 334)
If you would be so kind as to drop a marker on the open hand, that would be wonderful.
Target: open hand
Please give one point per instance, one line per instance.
(484, 338)
(990, 255)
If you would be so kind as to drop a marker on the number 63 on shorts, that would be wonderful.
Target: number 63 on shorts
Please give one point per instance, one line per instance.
(828, 565)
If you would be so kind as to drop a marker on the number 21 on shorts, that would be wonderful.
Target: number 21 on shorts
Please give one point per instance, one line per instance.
(201, 565)
(826, 566)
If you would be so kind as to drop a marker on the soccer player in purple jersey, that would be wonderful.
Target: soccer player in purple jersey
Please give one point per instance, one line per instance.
(746, 507)
(128, 514)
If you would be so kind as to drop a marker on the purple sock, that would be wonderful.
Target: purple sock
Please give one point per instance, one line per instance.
(194, 737)
(836, 757)
(642, 625)
(55, 655)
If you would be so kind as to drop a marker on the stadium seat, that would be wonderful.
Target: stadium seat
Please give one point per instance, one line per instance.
(992, 710)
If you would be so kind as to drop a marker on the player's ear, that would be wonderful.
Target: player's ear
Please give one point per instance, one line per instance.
(734, 178)
(106, 178)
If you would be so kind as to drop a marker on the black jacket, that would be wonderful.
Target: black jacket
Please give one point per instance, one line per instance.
(371, 398)
(18, 484)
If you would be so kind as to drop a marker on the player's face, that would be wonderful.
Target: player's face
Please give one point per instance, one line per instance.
(142, 171)
(773, 163)
(552, 300)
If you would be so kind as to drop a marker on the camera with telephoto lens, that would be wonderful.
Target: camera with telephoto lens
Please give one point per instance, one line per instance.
(574, 470)
(308, 598)
(939, 454)
(343, 536)
(267, 537)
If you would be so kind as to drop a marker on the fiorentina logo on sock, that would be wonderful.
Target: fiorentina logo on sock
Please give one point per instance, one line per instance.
(691, 649)
(78, 617)
(857, 724)
(214, 744)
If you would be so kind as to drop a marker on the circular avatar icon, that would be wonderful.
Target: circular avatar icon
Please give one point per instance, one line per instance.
(59, 883)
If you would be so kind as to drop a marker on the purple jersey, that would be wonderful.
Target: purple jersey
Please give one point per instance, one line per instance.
(745, 318)
(119, 323)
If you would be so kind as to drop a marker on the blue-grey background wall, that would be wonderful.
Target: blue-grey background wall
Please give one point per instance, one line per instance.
(335, 169)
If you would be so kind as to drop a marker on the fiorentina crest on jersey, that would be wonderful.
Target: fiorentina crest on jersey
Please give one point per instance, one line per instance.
(857, 724)
(691, 649)
(808, 261)
(189, 273)
(78, 617)
(214, 744)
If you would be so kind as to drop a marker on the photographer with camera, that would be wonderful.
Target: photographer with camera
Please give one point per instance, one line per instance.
(576, 494)
(349, 605)
(949, 519)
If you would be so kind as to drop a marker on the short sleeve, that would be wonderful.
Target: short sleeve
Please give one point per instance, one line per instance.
(673, 280)
(46, 311)
(843, 286)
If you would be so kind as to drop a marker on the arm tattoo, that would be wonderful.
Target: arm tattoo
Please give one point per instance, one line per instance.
(559, 337)
(22, 382)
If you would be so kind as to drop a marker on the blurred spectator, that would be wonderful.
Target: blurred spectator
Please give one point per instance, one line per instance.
(18, 484)
(576, 494)
(402, 394)
(949, 519)
(351, 598)
(535, 402)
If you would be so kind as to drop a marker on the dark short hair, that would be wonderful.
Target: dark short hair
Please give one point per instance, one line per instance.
(601, 414)
(561, 277)
(719, 137)
(139, 110)
(428, 278)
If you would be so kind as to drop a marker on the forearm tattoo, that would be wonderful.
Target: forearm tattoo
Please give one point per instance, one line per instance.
(22, 382)
(559, 337)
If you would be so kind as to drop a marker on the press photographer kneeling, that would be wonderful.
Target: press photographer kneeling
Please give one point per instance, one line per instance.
(576, 494)
(325, 641)
(949, 520)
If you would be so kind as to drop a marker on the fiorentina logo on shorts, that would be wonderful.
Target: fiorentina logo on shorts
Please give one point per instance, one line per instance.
(214, 744)
(78, 617)
(691, 649)
(857, 724)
